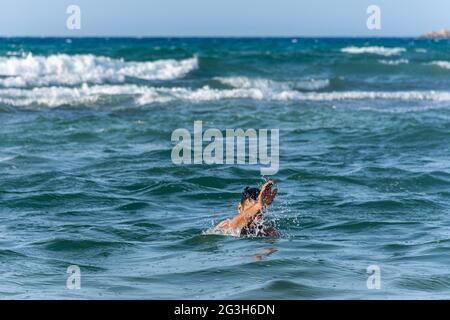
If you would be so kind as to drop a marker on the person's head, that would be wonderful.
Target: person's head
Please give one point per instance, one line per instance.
(248, 199)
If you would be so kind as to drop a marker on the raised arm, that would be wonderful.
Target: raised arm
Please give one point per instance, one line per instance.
(265, 198)
(266, 195)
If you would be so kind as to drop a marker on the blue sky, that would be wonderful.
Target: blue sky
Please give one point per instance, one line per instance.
(222, 18)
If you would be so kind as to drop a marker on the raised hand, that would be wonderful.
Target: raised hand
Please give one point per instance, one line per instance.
(266, 196)
(244, 217)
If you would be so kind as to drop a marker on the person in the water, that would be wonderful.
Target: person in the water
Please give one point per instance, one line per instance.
(248, 220)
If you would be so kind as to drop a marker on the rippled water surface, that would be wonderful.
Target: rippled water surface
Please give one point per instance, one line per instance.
(87, 178)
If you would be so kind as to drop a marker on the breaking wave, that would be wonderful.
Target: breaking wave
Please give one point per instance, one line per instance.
(62, 69)
(383, 51)
(441, 64)
(266, 84)
(143, 95)
(394, 62)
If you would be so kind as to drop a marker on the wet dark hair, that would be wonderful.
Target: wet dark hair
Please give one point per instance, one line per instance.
(250, 193)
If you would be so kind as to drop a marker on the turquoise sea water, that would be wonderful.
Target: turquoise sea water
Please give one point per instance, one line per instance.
(86, 176)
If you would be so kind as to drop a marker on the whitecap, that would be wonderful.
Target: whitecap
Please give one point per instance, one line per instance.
(143, 95)
(5, 159)
(404, 109)
(394, 62)
(441, 64)
(62, 69)
(378, 50)
(266, 84)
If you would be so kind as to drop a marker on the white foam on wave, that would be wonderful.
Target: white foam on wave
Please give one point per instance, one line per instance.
(394, 62)
(58, 96)
(19, 53)
(62, 69)
(422, 108)
(266, 84)
(441, 64)
(5, 159)
(220, 232)
(142, 95)
(368, 95)
(383, 51)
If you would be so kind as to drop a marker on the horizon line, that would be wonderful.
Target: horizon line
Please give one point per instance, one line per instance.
(214, 36)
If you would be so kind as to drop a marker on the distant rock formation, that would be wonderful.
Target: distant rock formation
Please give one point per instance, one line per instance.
(441, 34)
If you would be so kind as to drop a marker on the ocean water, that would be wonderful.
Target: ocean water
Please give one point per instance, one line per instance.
(86, 176)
